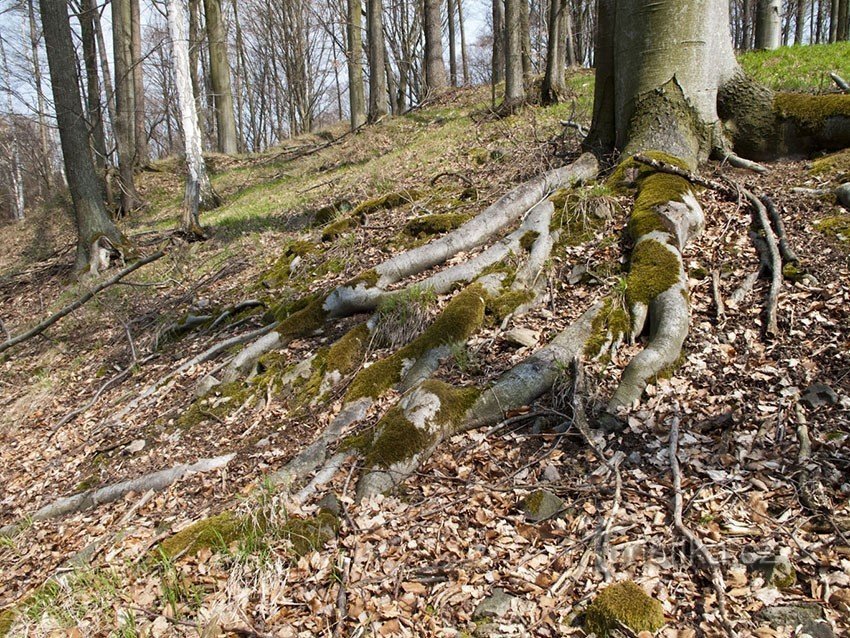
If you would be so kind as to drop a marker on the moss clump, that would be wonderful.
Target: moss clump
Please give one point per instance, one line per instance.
(654, 269)
(669, 370)
(342, 357)
(503, 305)
(386, 202)
(434, 224)
(837, 226)
(611, 322)
(655, 190)
(811, 111)
(793, 272)
(369, 277)
(835, 166)
(337, 228)
(528, 239)
(311, 534)
(280, 272)
(454, 402)
(7, 619)
(215, 531)
(458, 320)
(397, 440)
(223, 400)
(629, 172)
(328, 213)
(305, 321)
(283, 309)
(624, 603)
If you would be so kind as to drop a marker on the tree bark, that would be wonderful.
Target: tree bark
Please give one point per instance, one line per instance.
(843, 31)
(199, 193)
(93, 224)
(88, 15)
(801, 22)
(43, 129)
(140, 135)
(122, 39)
(450, 4)
(378, 107)
(435, 69)
(498, 57)
(356, 93)
(768, 24)
(463, 56)
(553, 87)
(16, 182)
(525, 39)
(220, 78)
(514, 84)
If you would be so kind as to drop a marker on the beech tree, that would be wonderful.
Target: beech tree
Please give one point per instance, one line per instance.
(97, 236)
(356, 94)
(125, 102)
(220, 78)
(435, 69)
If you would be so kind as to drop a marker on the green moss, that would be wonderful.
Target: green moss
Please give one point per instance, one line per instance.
(625, 603)
(337, 228)
(454, 402)
(311, 534)
(458, 320)
(397, 440)
(503, 305)
(280, 272)
(670, 369)
(7, 619)
(387, 202)
(699, 273)
(215, 531)
(528, 239)
(811, 111)
(792, 272)
(654, 269)
(348, 351)
(328, 213)
(369, 277)
(837, 226)
(222, 400)
(305, 321)
(434, 224)
(629, 172)
(612, 321)
(655, 190)
(835, 166)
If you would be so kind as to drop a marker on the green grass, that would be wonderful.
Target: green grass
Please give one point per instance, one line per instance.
(799, 68)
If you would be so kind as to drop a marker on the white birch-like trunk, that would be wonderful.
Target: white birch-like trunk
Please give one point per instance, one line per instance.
(197, 181)
(16, 182)
(769, 24)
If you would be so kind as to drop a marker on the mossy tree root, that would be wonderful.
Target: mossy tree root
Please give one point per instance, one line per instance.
(666, 216)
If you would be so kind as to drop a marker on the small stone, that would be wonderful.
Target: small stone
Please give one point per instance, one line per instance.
(541, 505)
(263, 442)
(843, 195)
(818, 395)
(135, 446)
(807, 615)
(551, 473)
(576, 274)
(495, 605)
(331, 503)
(522, 337)
(207, 383)
(777, 571)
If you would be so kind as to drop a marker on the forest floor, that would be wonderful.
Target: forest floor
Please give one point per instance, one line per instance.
(419, 561)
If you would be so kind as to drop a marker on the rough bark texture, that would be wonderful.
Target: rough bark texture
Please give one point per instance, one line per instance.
(514, 84)
(553, 79)
(93, 224)
(140, 136)
(220, 78)
(356, 93)
(435, 70)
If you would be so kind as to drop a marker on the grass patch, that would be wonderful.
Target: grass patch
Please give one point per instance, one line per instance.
(798, 68)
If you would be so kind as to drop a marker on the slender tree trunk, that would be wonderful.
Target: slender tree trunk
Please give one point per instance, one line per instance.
(378, 106)
(498, 58)
(95, 231)
(525, 40)
(140, 135)
(801, 21)
(220, 78)
(569, 36)
(122, 37)
(450, 4)
(199, 193)
(435, 69)
(463, 56)
(514, 85)
(819, 36)
(553, 78)
(43, 130)
(243, 77)
(843, 31)
(768, 24)
(16, 183)
(356, 93)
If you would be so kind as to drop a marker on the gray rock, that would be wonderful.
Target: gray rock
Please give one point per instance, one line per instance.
(843, 195)
(206, 383)
(818, 395)
(135, 446)
(777, 571)
(495, 605)
(808, 616)
(551, 473)
(522, 337)
(331, 503)
(541, 505)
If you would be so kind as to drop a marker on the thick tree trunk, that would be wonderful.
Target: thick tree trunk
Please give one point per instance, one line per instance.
(378, 106)
(514, 84)
(498, 57)
(553, 79)
(463, 56)
(769, 24)
(95, 108)
(356, 93)
(843, 32)
(95, 231)
(122, 38)
(220, 78)
(199, 193)
(525, 28)
(435, 69)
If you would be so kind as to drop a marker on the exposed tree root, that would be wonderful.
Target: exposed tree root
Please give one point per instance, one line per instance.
(44, 325)
(694, 543)
(92, 498)
(840, 82)
(773, 259)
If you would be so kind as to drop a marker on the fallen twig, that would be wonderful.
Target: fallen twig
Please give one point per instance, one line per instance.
(719, 306)
(699, 548)
(773, 259)
(44, 325)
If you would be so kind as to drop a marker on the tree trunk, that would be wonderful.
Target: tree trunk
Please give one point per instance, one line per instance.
(435, 70)
(16, 183)
(378, 107)
(356, 93)
(43, 129)
(140, 135)
(801, 22)
(769, 24)
(463, 56)
(199, 193)
(220, 78)
(553, 87)
(843, 31)
(514, 85)
(95, 231)
(525, 40)
(122, 39)
(498, 57)
(450, 4)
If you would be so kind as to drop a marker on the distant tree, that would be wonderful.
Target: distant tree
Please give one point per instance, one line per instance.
(378, 106)
(125, 104)
(96, 234)
(435, 69)
(769, 24)
(220, 78)
(514, 83)
(356, 94)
